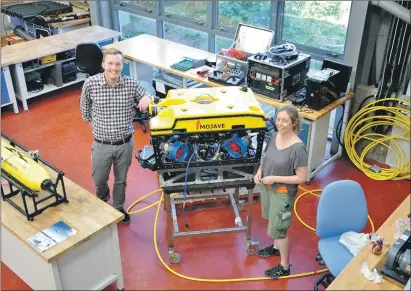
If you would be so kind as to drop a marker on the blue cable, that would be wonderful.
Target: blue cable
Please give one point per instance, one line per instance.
(185, 192)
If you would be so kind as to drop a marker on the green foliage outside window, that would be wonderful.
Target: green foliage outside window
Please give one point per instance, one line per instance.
(319, 24)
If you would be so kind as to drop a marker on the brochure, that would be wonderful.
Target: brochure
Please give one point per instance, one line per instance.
(51, 236)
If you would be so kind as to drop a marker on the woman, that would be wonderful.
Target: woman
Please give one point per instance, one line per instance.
(283, 167)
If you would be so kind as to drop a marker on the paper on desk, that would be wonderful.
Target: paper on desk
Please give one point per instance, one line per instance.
(372, 276)
(354, 241)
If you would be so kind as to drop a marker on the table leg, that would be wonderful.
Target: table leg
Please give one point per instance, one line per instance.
(141, 72)
(117, 257)
(346, 115)
(10, 88)
(55, 276)
(20, 81)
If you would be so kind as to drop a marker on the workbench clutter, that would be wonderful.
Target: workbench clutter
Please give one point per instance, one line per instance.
(397, 268)
(231, 66)
(10, 39)
(32, 20)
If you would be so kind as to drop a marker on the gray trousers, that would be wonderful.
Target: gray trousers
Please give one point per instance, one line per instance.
(103, 157)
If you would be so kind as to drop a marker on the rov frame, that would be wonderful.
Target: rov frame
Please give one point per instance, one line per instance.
(16, 187)
(229, 174)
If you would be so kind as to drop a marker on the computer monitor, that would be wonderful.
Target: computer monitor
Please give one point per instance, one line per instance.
(343, 77)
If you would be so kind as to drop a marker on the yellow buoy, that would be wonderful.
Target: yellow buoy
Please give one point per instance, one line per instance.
(23, 168)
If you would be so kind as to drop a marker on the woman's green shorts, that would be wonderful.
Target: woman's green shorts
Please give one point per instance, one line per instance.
(277, 208)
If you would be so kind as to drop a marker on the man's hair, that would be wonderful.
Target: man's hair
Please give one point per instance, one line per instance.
(112, 51)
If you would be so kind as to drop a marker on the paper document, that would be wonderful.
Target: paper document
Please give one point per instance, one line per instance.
(51, 236)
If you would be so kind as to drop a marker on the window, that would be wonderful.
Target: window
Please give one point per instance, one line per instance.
(195, 10)
(222, 42)
(148, 6)
(231, 13)
(187, 36)
(133, 25)
(317, 24)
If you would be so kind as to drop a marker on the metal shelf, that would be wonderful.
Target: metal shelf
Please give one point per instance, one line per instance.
(49, 87)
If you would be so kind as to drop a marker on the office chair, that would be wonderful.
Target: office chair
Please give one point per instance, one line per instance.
(89, 57)
(342, 207)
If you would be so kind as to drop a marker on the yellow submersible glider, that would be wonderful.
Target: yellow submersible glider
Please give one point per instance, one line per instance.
(22, 167)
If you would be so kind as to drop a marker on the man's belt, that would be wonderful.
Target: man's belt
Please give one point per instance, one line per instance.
(117, 142)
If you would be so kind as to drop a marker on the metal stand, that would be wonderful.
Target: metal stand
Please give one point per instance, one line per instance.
(15, 187)
(170, 206)
(197, 182)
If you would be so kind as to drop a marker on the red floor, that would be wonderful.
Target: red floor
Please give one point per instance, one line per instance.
(53, 125)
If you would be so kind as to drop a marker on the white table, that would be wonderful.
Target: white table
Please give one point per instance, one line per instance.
(89, 260)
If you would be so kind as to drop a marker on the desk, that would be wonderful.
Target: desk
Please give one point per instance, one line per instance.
(89, 260)
(351, 277)
(16, 55)
(146, 51)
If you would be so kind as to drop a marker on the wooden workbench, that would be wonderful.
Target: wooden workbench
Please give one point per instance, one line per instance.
(351, 277)
(161, 54)
(16, 55)
(93, 253)
(54, 44)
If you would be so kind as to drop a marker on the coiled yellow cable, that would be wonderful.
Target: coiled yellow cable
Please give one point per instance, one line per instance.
(358, 129)
(221, 280)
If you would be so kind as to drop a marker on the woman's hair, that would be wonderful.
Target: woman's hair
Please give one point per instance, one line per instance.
(295, 117)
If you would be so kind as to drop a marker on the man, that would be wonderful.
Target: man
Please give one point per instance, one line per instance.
(108, 101)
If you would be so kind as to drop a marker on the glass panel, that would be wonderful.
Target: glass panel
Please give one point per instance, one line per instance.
(222, 42)
(132, 25)
(187, 36)
(319, 24)
(196, 10)
(316, 65)
(256, 13)
(151, 5)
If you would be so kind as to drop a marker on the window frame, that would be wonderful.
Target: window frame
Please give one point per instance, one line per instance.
(232, 30)
(184, 19)
(211, 27)
(317, 52)
(116, 20)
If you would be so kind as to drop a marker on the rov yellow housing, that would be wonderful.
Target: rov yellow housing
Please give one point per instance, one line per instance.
(206, 110)
(23, 168)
